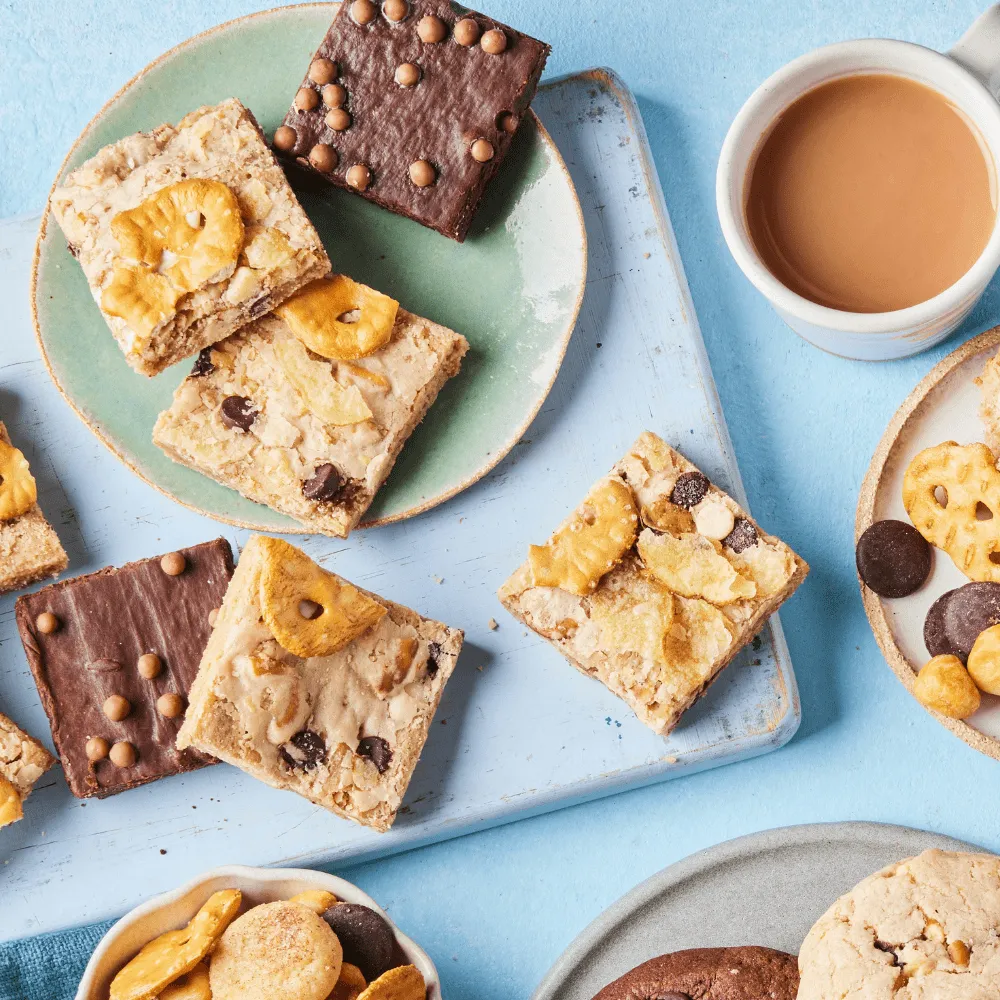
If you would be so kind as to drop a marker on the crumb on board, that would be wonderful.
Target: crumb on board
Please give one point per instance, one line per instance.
(493, 624)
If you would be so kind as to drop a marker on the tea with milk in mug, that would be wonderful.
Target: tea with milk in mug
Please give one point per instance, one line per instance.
(871, 193)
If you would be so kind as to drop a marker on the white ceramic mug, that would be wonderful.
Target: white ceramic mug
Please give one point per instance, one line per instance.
(969, 77)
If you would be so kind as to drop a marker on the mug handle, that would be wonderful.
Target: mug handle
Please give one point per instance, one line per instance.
(978, 50)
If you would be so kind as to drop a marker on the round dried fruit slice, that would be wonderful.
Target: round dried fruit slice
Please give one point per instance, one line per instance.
(290, 577)
(340, 319)
(174, 954)
(18, 492)
(590, 543)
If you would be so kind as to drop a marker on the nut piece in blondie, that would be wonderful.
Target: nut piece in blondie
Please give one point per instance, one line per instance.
(654, 583)
(313, 685)
(23, 761)
(187, 233)
(29, 548)
(307, 409)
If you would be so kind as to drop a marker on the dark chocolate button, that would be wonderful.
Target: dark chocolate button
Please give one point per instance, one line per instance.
(325, 484)
(742, 537)
(377, 751)
(304, 750)
(969, 611)
(203, 363)
(689, 490)
(433, 652)
(893, 558)
(238, 411)
(367, 940)
(934, 635)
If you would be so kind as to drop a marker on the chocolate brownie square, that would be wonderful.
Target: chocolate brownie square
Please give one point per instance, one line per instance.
(113, 654)
(414, 106)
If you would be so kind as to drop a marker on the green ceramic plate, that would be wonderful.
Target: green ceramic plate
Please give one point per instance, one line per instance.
(513, 288)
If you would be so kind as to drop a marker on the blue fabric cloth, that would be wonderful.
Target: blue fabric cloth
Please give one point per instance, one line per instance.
(47, 967)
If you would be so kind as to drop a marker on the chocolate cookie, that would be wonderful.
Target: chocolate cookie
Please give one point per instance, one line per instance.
(970, 610)
(893, 558)
(748, 973)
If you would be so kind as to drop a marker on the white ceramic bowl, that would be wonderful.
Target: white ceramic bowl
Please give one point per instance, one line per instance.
(172, 910)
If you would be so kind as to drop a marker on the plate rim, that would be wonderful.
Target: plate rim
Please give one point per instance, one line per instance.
(864, 515)
(710, 857)
(295, 528)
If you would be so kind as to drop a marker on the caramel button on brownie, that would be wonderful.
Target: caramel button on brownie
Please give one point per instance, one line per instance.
(747, 973)
(113, 674)
(428, 98)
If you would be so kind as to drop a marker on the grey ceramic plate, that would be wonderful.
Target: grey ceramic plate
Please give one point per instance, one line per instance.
(766, 889)
(514, 287)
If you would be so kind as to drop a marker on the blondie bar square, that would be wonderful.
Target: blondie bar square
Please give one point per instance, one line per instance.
(29, 548)
(654, 583)
(23, 761)
(311, 437)
(187, 233)
(313, 685)
(113, 654)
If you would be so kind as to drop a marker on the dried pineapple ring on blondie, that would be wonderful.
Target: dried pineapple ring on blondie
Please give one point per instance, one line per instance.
(197, 221)
(174, 954)
(10, 802)
(18, 491)
(969, 477)
(192, 986)
(694, 566)
(315, 314)
(591, 543)
(335, 404)
(290, 577)
(402, 983)
(185, 235)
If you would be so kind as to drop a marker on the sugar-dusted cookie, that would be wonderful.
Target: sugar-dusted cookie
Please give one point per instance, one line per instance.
(276, 951)
(747, 973)
(922, 929)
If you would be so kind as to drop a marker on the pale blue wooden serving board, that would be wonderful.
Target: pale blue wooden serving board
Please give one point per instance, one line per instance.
(519, 730)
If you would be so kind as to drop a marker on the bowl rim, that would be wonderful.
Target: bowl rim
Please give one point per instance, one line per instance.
(341, 888)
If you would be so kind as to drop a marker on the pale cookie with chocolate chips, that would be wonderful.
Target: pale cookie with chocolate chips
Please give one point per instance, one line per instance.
(922, 929)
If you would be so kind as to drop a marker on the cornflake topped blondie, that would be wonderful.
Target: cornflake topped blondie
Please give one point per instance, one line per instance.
(313, 685)
(306, 410)
(187, 233)
(654, 583)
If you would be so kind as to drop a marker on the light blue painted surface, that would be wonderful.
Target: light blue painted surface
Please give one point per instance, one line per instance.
(497, 749)
(495, 909)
